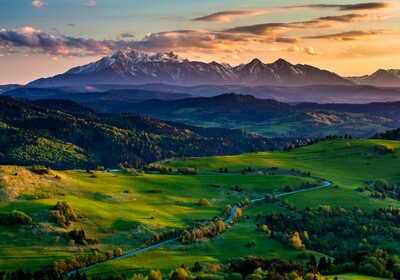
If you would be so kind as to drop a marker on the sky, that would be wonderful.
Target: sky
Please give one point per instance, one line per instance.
(42, 38)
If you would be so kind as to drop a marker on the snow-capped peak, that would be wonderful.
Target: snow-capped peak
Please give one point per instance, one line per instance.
(134, 67)
(165, 57)
(135, 56)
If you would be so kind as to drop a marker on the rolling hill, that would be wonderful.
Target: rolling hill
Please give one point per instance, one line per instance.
(123, 211)
(64, 134)
(270, 117)
(113, 95)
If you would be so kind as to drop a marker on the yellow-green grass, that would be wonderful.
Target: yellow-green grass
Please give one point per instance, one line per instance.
(119, 209)
(354, 276)
(349, 164)
(232, 243)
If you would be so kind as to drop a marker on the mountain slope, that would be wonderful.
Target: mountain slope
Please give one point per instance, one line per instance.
(381, 78)
(273, 118)
(117, 97)
(64, 134)
(139, 68)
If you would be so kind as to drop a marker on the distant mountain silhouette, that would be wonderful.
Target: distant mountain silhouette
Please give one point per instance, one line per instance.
(134, 68)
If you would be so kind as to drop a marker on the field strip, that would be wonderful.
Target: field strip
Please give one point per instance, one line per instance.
(138, 251)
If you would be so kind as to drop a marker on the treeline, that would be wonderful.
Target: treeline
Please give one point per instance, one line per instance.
(163, 236)
(248, 268)
(381, 189)
(62, 138)
(352, 237)
(210, 230)
(393, 134)
(76, 262)
(44, 274)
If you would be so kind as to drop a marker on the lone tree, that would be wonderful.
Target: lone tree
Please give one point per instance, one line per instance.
(295, 241)
(204, 202)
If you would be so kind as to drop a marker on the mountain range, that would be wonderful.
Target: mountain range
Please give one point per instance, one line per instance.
(136, 68)
(381, 78)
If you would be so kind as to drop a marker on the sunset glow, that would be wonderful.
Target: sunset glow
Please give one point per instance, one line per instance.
(44, 38)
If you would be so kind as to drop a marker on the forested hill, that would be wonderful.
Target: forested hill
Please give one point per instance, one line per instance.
(393, 134)
(64, 134)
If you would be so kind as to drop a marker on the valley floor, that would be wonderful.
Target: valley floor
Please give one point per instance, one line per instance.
(124, 211)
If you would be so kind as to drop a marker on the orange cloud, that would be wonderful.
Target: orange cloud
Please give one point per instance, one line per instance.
(354, 17)
(307, 50)
(348, 7)
(351, 35)
(227, 16)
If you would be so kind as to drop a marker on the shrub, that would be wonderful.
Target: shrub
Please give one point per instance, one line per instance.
(155, 275)
(187, 171)
(157, 168)
(156, 191)
(380, 185)
(79, 236)
(396, 271)
(238, 213)
(63, 214)
(204, 202)
(237, 189)
(40, 169)
(41, 195)
(15, 218)
(214, 228)
(100, 168)
(294, 241)
(227, 210)
(179, 274)
(287, 189)
(118, 252)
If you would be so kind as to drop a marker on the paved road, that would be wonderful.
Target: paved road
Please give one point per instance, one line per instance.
(123, 256)
(135, 252)
(326, 184)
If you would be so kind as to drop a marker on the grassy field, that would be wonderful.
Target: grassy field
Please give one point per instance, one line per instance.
(230, 244)
(354, 276)
(349, 164)
(123, 211)
(120, 210)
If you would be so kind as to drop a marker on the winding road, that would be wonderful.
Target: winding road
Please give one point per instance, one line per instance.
(230, 217)
(132, 253)
(326, 184)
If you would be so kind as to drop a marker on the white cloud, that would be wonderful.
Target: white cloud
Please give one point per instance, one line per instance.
(310, 51)
(293, 49)
(90, 4)
(307, 50)
(227, 16)
(39, 4)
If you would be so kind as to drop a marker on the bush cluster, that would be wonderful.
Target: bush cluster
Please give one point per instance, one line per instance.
(15, 218)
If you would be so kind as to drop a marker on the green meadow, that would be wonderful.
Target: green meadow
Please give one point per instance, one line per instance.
(123, 211)
(120, 210)
(348, 164)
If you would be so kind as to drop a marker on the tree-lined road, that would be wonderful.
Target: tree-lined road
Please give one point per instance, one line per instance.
(138, 251)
